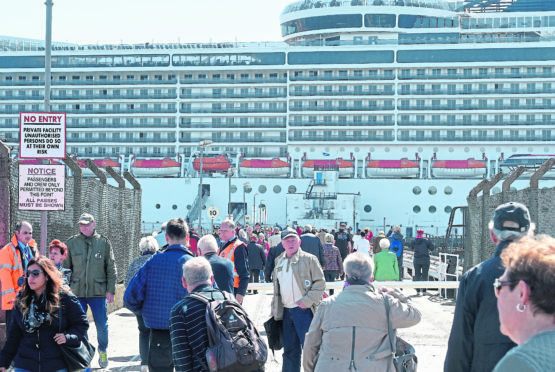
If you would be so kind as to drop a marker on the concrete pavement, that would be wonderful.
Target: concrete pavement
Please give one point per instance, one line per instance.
(429, 337)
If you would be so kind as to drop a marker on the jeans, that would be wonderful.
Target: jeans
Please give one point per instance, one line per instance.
(98, 309)
(330, 276)
(160, 352)
(144, 339)
(400, 264)
(255, 278)
(421, 274)
(296, 322)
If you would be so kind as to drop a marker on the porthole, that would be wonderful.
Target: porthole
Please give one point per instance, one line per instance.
(416, 190)
(233, 189)
(368, 208)
(467, 149)
(262, 189)
(157, 206)
(432, 209)
(189, 207)
(448, 190)
(297, 149)
(405, 149)
(451, 149)
(292, 189)
(387, 149)
(436, 149)
(247, 189)
(203, 207)
(416, 209)
(312, 149)
(357, 149)
(448, 209)
(432, 190)
(420, 149)
(342, 149)
(277, 189)
(174, 207)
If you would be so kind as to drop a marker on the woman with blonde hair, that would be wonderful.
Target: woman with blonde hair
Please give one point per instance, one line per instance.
(526, 303)
(34, 334)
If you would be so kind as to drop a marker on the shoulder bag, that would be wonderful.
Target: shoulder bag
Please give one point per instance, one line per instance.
(76, 357)
(404, 355)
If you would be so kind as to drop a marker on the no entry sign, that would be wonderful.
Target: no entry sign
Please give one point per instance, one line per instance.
(42, 135)
(41, 187)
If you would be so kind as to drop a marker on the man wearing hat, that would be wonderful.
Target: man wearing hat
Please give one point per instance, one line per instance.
(91, 260)
(298, 289)
(476, 343)
(311, 244)
(421, 248)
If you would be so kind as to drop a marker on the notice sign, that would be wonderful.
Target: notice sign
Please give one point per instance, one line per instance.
(42, 135)
(41, 187)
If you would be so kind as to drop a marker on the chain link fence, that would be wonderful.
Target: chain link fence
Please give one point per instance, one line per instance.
(116, 209)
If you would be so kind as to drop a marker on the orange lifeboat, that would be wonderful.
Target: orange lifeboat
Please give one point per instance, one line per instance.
(346, 168)
(264, 168)
(404, 168)
(100, 163)
(470, 168)
(217, 163)
(156, 168)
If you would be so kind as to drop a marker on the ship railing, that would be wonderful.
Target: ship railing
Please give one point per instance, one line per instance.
(443, 268)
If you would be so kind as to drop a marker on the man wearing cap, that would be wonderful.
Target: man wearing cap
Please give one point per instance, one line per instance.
(311, 244)
(14, 258)
(91, 260)
(421, 248)
(476, 343)
(298, 288)
(257, 260)
(343, 241)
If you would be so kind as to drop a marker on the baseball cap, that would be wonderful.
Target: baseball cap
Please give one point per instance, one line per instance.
(512, 216)
(287, 233)
(86, 219)
(307, 227)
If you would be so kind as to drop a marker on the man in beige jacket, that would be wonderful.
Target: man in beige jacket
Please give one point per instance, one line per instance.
(298, 289)
(349, 331)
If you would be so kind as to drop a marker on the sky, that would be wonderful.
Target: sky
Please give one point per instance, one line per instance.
(139, 21)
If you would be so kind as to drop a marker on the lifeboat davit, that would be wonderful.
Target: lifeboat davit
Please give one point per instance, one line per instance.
(470, 168)
(346, 168)
(217, 163)
(264, 168)
(100, 163)
(392, 168)
(156, 168)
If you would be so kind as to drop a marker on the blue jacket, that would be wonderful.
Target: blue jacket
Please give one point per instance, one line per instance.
(399, 237)
(21, 346)
(157, 286)
(476, 343)
(223, 271)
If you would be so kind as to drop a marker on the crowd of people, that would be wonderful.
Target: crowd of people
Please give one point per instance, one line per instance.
(504, 317)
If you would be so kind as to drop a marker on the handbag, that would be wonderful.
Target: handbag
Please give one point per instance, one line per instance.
(404, 355)
(76, 357)
(274, 333)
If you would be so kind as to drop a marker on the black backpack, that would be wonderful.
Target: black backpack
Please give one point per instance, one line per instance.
(234, 344)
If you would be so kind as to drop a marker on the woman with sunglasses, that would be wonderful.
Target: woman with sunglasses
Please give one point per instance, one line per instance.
(526, 302)
(34, 334)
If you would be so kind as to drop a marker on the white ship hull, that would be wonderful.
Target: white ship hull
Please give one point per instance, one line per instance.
(264, 172)
(156, 172)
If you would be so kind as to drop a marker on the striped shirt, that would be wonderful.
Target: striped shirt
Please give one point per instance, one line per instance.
(188, 330)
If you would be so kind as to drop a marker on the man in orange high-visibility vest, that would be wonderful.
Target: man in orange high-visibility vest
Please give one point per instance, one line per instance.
(14, 258)
(235, 250)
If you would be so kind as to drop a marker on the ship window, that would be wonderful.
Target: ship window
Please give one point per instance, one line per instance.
(322, 22)
(416, 209)
(432, 209)
(379, 20)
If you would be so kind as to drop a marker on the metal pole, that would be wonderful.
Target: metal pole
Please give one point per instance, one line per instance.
(200, 192)
(229, 193)
(47, 83)
(244, 207)
(254, 208)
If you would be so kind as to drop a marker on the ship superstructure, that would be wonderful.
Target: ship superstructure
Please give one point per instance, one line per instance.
(409, 102)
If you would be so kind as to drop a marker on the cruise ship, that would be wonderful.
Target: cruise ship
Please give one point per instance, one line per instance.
(371, 112)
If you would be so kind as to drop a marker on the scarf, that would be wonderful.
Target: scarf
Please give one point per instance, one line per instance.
(35, 317)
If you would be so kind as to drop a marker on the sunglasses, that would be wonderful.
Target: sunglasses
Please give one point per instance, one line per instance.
(498, 284)
(33, 273)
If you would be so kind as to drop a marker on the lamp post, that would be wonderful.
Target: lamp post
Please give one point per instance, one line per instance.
(231, 171)
(202, 144)
(254, 208)
(245, 185)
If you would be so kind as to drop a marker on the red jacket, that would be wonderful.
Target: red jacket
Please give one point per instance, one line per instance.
(11, 269)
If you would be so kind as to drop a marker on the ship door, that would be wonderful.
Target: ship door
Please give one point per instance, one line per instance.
(319, 179)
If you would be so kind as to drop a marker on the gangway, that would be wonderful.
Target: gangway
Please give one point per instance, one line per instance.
(194, 211)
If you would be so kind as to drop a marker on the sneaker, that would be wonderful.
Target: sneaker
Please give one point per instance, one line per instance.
(102, 359)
